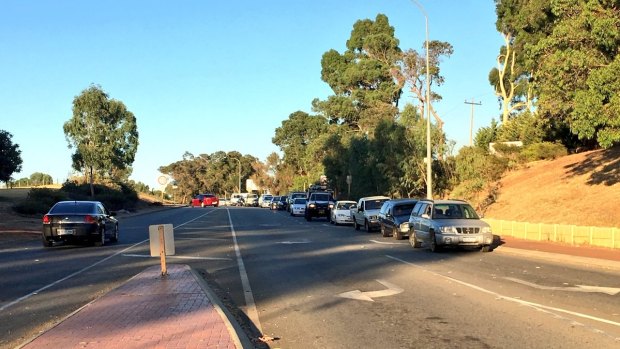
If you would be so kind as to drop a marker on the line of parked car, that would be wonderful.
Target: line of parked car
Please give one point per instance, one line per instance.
(436, 224)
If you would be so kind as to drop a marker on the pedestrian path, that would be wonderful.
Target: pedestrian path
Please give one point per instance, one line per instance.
(148, 311)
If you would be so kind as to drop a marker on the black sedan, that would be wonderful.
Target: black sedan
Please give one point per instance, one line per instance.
(72, 221)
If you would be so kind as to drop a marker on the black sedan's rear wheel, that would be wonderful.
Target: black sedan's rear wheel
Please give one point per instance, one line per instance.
(100, 239)
(114, 237)
(46, 242)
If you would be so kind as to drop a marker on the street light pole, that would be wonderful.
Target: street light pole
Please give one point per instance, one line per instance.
(429, 177)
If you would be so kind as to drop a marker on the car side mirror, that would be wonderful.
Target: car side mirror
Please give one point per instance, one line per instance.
(113, 213)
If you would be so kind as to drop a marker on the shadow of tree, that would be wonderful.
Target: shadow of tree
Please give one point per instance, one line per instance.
(603, 166)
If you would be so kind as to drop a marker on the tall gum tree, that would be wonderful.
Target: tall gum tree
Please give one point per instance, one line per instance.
(103, 135)
(364, 89)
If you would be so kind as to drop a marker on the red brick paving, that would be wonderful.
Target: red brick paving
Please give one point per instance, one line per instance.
(149, 311)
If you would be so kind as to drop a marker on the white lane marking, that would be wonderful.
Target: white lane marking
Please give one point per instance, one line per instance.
(302, 241)
(178, 257)
(245, 281)
(612, 291)
(389, 243)
(536, 306)
(66, 277)
(368, 296)
(202, 239)
(22, 298)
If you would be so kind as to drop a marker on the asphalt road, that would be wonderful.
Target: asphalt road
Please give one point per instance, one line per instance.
(315, 285)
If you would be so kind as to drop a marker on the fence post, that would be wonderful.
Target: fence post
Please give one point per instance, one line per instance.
(539, 231)
(572, 234)
(555, 233)
(591, 235)
(525, 231)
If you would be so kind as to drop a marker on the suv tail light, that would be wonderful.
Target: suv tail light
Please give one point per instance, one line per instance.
(46, 219)
(90, 219)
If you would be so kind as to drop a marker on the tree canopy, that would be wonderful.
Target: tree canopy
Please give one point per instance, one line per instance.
(10, 157)
(361, 78)
(103, 134)
(570, 51)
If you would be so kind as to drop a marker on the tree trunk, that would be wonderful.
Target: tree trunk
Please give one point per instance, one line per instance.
(92, 187)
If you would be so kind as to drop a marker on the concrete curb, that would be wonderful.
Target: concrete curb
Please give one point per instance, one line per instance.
(236, 332)
(562, 259)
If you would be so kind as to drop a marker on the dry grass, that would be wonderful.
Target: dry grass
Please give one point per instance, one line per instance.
(580, 189)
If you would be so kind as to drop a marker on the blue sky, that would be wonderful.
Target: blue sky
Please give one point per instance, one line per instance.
(204, 76)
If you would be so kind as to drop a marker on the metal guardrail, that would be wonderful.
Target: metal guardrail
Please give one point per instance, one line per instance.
(565, 233)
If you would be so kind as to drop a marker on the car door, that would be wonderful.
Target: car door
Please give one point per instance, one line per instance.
(425, 215)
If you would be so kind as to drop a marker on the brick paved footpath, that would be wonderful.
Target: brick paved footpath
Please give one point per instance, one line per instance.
(148, 311)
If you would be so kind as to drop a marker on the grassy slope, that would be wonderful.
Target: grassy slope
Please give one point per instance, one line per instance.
(581, 189)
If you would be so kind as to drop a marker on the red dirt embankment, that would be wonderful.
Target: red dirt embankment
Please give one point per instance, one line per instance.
(580, 189)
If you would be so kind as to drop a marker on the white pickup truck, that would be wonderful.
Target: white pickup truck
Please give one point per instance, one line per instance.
(366, 213)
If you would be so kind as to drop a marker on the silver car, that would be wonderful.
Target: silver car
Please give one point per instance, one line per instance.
(448, 223)
(298, 207)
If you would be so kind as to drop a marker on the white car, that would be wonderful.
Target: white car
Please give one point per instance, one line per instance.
(341, 213)
(298, 207)
(264, 200)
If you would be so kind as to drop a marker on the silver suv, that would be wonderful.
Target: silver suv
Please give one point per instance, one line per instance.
(448, 223)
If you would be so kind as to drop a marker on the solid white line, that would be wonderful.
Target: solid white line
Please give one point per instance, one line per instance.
(388, 243)
(22, 298)
(245, 281)
(66, 277)
(179, 257)
(511, 299)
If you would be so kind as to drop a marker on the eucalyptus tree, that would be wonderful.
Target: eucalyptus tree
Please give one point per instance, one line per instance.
(571, 50)
(10, 157)
(103, 134)
(361, 78)
(294, 138)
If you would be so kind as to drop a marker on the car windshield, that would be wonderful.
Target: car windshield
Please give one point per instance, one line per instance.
(73, 208)
(344, 205)
(375, 204)
(299, 201)
(403, 210)
(298, 195)
(454, 211)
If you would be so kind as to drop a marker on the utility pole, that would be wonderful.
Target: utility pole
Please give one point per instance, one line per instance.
(471, 126)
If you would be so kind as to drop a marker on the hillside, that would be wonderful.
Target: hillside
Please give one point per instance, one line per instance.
(580, 189)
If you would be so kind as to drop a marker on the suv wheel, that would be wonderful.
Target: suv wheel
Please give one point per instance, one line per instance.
(384, 231)
(413, 241)
(486, 248)
(433, 243)
(308, 218)
(367, 227)
(355, 225)
(397, 234)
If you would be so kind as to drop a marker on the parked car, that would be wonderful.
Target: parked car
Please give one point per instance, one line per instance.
(298, 207)
(281, 203)
(234, 198)
(366, 212)
(73, 221)
(251, 200)
(448, 223)
(203, 200)
(223, 201)
(273, 203)
(263, 200)
(290, 198)
(319, 204)
(394, 217)
(341, 213)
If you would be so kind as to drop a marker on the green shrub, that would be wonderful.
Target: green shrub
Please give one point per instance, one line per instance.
(39, 201)
(543, 151)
